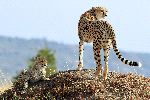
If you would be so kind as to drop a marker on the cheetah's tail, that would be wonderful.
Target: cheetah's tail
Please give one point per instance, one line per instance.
(125, 61)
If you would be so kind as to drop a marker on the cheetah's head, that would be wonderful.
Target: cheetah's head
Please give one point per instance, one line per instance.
(41, 62)
(100, 12)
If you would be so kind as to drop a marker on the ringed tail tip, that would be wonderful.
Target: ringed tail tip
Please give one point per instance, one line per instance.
(139, 64)
(135, 64)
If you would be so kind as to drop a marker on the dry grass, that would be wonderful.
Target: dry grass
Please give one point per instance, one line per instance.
(5, 87)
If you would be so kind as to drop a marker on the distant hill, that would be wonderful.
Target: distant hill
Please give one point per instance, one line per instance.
(16, 52)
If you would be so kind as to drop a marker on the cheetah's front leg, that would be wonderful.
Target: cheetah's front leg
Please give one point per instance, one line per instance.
(80, 65)
(106, 57)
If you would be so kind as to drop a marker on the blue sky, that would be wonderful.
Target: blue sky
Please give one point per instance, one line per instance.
(57, 20)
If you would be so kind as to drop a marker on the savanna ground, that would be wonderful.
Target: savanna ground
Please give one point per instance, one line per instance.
(77, 85)
(5, 87)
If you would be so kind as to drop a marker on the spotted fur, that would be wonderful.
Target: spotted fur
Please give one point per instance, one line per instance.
(35, 73)
(93, 28)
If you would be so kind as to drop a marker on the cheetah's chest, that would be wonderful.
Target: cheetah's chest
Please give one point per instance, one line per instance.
(37, 74)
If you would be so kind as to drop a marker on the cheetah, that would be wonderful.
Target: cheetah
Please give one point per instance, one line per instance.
(93, 28)
(35, 73)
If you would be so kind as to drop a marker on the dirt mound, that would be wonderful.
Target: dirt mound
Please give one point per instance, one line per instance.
(73, 84)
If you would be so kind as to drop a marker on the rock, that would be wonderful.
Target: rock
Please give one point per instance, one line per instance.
(73, 84)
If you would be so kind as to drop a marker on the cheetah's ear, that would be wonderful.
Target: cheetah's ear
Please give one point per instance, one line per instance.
(36, 58)
(87, 14)
(93, 8)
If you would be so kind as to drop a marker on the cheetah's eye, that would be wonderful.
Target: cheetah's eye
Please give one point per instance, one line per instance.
(45, 64)
(103, 12)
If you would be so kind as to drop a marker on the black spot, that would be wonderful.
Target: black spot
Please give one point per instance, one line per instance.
(135, 64)
(115, 50)
(117, 53)
(130, 63)
(119, 56)
(104, 58)
(122, 59)
(126, 61)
